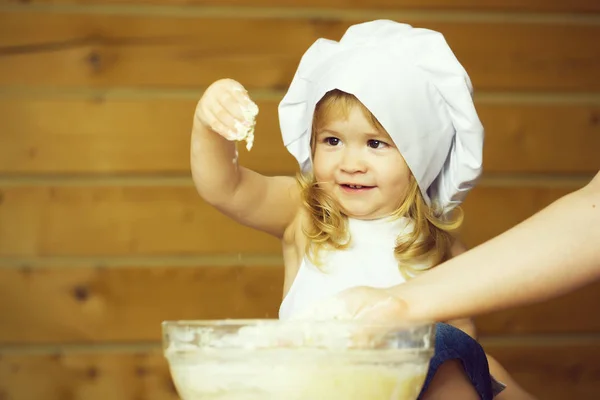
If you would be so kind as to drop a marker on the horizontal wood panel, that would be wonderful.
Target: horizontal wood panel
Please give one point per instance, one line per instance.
(541, 138)
(129, 136)
(119, 221)
(126, 304)
(86, 376)
(101, 50)
(490, 211)
(572, 313)
(549, 372)
(490, 5)
(152, 136)
(54, 305)
(553, 372)
(152, 220)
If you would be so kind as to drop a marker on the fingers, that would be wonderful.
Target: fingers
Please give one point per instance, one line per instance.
(236, 101)
(220, 124)
(385, 309)
(240, 94)
(233, 102)
(228, 123)
(235, 116)
(329, 310)
(227, 109)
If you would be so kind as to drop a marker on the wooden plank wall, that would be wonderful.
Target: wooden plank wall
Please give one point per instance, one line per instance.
(102, 235)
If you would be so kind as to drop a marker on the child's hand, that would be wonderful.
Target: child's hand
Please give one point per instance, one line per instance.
(226, 109)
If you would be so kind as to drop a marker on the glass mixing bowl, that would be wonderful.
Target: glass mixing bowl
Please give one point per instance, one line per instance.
(297, 360)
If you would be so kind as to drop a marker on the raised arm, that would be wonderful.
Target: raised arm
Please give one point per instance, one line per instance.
(553, 252)
(264, 203)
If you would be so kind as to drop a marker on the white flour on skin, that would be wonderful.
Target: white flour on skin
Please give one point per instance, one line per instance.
(245, 131)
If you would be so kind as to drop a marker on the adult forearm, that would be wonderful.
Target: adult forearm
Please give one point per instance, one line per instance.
(551, 253)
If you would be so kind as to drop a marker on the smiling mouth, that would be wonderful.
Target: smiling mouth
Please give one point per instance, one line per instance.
(353, 188)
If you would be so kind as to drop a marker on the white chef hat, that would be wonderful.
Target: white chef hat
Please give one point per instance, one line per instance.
(410, 80)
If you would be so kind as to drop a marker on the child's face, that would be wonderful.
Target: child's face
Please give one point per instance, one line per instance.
(360, 167)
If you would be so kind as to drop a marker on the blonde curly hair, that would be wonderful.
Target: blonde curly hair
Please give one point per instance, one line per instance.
(428, 244)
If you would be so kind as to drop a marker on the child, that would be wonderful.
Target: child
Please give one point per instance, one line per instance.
(383, 126)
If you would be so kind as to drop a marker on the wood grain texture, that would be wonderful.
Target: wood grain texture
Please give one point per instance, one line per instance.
(490, 211)
(66, 50)
(114, 136)
(86, 376)
(457, 5)
(174, 220)
(553, 371)
(87, 304)
(151, 136)
(128, 304)
(572, 313)
(91, 263)
(119, 221)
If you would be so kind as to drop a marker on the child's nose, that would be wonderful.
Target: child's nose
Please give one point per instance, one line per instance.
(352, 162)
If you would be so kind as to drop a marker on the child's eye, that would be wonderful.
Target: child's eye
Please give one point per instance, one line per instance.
(376, 144)
(332, 141)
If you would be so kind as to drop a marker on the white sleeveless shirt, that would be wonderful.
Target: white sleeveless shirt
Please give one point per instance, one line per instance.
(368, 261)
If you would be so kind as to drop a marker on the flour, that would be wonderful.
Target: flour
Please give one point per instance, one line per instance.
(245, 131)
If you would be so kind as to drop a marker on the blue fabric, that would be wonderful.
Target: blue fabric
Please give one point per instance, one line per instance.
(453, 344)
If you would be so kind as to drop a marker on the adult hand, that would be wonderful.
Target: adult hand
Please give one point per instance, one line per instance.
(363, 303)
